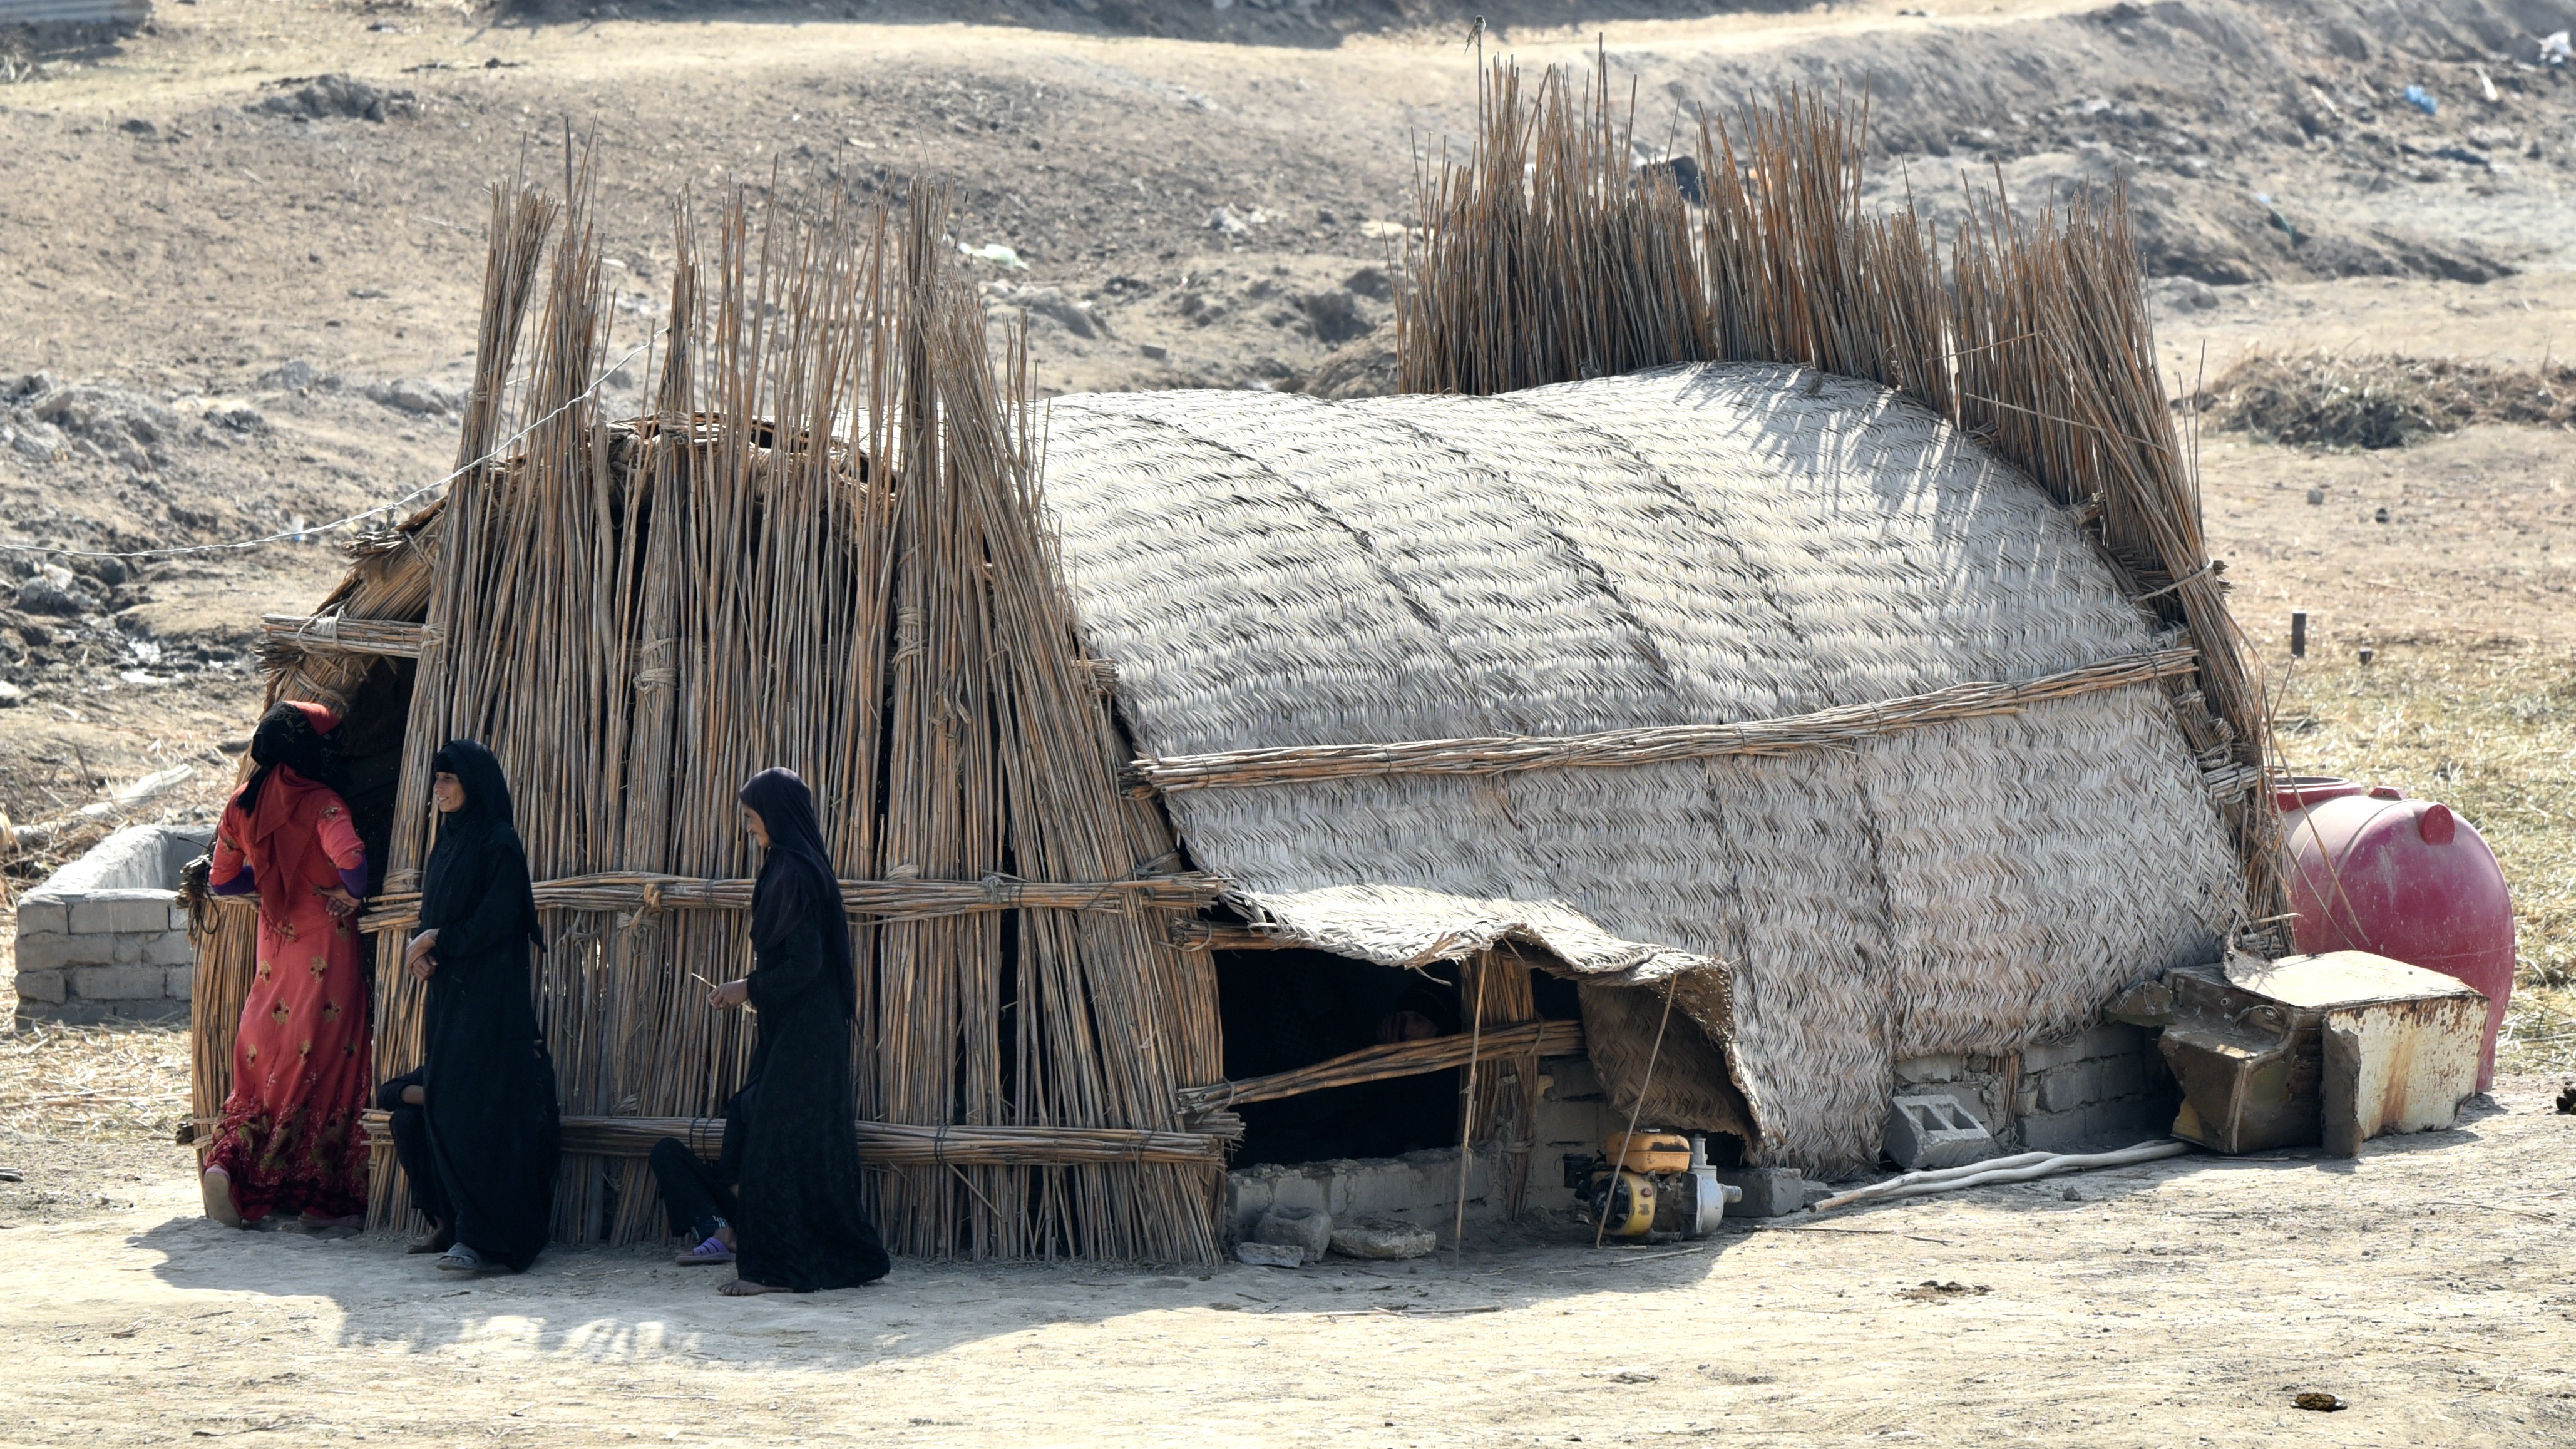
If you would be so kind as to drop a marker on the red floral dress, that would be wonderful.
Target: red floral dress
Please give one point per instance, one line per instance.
(290, 1136)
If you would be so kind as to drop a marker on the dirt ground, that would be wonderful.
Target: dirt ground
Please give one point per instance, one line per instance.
(238, 301)
(2431, 1284)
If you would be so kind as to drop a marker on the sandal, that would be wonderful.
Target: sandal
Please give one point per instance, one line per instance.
(215, 1188)
(712, 1251)
(462, 1259)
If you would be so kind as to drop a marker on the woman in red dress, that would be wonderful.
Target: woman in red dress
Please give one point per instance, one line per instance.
(290, 1136)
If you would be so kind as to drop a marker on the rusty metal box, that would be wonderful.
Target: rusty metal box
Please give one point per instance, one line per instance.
(2335, 1048)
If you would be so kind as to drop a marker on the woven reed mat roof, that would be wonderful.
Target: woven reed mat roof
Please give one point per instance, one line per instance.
(1693, 545)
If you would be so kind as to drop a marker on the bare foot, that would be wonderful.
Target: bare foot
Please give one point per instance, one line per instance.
(745, 1288)
(215, 1187)
(439, 1240)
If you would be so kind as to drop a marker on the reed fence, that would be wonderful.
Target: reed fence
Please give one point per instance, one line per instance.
(822, 547)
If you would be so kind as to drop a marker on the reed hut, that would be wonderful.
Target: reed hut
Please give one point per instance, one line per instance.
(1761, 645)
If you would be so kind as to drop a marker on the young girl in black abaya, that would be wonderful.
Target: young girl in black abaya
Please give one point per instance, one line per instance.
(785, 1191)
(475, 1125)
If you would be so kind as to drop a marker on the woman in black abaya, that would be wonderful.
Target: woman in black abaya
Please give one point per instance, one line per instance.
(475, 1125)
(786, 1190)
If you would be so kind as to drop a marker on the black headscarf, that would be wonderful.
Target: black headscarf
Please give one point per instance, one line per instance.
(286, 736)
(475, 844)
(797, 879)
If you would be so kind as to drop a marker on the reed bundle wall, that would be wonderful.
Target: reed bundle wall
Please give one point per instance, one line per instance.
(822, 550)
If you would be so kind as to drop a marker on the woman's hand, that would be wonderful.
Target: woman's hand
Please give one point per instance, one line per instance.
(416, 956)
(729, 995)
(338, 901)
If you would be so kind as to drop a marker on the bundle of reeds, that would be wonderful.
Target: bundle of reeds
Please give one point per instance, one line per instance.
(1546, 257)
(1844, 725)
(893, 1144)
(1515, 1035)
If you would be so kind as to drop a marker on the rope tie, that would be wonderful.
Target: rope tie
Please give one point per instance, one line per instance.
(908, 641)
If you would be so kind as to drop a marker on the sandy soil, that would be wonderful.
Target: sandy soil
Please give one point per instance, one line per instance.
(2431, 1284)
(2479, 543)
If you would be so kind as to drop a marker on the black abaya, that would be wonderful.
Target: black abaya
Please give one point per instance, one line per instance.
(491, 1138)
(800, 1224)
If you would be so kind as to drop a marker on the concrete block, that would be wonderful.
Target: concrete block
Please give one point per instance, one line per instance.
(139, 856)
(1935, 1129)
(171, 948)
(2101, 1126)
(1419, 1186)
(1769, 1192)
(146, 911)
(1308, 1231)
(120, 983)
(50, 953)
(41, 915)
(2080, 1084)
(126, 949)
(178, 917)
(2110, 1039)
(39, 986)
(1932, 1070)
(1384, 1242)
(179, 983)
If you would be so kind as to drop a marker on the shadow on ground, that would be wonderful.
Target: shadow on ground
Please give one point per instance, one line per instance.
(634, 1303)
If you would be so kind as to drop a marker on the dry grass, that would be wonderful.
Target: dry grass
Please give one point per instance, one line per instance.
(114, 1082)
(2383, 402)
(2491, 732)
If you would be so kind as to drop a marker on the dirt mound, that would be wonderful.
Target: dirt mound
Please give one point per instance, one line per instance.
(2382, 401)
(321, 97)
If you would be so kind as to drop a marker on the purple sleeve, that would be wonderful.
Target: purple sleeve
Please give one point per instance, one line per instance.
(240, 885)
(352, 881)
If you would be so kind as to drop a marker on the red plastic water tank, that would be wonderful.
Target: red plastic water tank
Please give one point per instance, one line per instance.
(2370, 870)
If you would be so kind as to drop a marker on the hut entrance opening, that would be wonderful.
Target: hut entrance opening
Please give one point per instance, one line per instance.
(1283, 1010)
(1377, 1051)
(371, 750)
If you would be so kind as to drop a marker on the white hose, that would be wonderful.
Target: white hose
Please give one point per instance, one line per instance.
(2026, 1167)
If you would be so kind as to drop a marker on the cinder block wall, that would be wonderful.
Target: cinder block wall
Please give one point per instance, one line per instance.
(2106, 1086)
(1422, 1187)
(105, 935)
